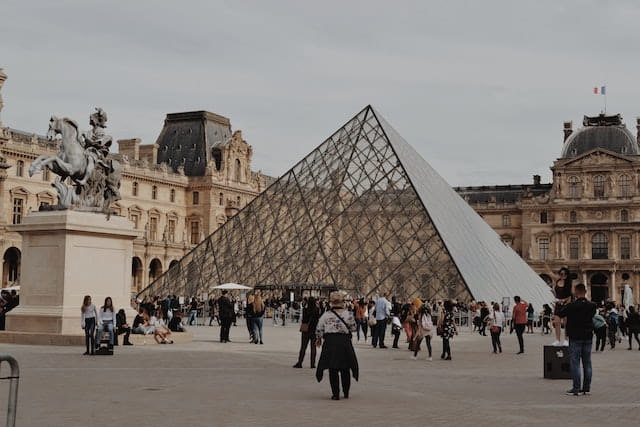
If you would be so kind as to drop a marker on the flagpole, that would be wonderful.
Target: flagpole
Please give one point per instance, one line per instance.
(605, 98)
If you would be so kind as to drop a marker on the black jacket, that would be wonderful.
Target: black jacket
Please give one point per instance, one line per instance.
(225, 307)
(579, 316)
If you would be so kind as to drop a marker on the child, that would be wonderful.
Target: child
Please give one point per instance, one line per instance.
(396, 327)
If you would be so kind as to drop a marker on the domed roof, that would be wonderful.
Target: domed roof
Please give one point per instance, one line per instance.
(608, 132)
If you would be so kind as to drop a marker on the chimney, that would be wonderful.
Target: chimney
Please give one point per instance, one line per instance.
(568, 129)
(536, 180)
(130, 148)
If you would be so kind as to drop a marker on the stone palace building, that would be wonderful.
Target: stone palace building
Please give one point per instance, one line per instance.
(176, 191)
(588, 218)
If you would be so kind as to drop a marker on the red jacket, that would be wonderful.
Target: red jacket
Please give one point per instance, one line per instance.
(519, 315)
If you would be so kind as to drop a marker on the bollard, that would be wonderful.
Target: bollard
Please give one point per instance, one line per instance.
(13, 388)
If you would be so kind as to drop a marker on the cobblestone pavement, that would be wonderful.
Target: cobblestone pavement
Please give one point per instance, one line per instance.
(207, 383)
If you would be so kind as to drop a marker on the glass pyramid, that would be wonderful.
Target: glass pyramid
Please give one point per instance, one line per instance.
(364, 212)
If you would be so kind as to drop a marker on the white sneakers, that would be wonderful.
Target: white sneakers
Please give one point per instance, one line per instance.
(557, 343)
(429, 358)
(414, 358)
(565, 343)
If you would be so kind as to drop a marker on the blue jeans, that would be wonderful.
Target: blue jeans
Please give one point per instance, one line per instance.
(580, 350)
(257, 328)
(193, 314)
(105, 325)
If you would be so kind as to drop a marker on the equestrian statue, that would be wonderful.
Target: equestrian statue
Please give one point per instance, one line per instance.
(94, 178)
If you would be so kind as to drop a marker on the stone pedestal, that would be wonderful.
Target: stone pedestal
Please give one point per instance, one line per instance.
(65, 256)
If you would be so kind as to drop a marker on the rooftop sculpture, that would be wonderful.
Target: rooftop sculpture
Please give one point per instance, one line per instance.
(83, 158)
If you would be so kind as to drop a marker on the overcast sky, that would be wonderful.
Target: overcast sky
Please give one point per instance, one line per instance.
(479, 88)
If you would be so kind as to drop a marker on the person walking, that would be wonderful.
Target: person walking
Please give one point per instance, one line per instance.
(193, 312)
(496, 319)
(248, 317)
(310, 317)
(88, 317)
(382, 313)
(423, 331)
(484, 312)
(258, 319)
(530, 318)
(225, 310)
(600, 330)
(579, 330)
(448, 329)
(333, 333)
(633, 326)
(361, 318)
(519, 319)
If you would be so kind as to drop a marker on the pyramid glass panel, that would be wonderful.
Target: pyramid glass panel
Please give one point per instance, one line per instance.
(356, 213)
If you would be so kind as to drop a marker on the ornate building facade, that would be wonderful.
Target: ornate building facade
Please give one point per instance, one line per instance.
(588, 218)
(175, 191)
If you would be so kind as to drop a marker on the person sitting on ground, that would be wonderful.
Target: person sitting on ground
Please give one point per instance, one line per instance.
(138, 323)
(175, 324)
(122, 327)
(161, 332)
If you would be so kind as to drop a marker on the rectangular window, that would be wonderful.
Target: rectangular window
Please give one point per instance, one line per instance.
(18, 209)
(574, 248)
(543, 218)
(506, 221)
(196, 197)
(195, 232)
(544, 248)
(135, 219)
(171, 230)
(153, 228)
(625, 248)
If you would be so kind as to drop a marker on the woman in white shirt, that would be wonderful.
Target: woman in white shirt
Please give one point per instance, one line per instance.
(106, 320)
(496, 321)
(88, 318)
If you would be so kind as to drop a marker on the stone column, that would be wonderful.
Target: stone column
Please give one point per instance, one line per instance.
(612, 286)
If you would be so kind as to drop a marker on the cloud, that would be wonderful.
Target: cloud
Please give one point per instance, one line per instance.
(479, 88)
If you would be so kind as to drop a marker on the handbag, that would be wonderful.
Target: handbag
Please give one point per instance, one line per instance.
(304, 327)
(439, 330)
(494, 329)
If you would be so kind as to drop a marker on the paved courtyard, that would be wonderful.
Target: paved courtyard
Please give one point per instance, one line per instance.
(206, 383)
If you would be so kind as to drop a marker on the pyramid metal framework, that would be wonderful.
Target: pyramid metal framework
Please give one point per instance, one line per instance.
(364, 212)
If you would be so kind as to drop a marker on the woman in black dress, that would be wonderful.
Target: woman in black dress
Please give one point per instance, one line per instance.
(333, 333)
(563, 291)
(310, 317)
(448, 327)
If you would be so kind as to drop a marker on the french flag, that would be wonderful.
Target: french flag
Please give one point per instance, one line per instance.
(602, 90)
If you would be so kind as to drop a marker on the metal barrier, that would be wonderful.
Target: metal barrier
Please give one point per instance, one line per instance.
(13, 388)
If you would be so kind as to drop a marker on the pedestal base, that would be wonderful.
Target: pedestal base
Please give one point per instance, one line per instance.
(65, 256)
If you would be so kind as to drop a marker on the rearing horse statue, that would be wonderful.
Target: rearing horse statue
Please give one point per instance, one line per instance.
(71, 160)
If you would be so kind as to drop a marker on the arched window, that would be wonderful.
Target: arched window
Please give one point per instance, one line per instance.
(573, 217)
(134, 189)
(238, 170)
(574, 187)
(599, 246)
(19, 168)
(624, 215)
(624, 184)
(172, 195)
(154, 192)
(598, 186)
